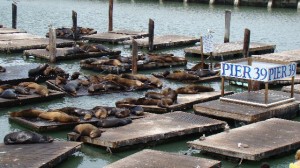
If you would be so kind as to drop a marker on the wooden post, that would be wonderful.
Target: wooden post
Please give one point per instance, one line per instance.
(270, 3)
(211, 2)
(227, 26)
(151, 34)
(134, 56)
(14, 16)
(222, 86)
(52, 44)
(266, 92)
(201, 50)
(298, 6)
(246, 43)
(74, 19)
(236, 3)
(210, 60)
(110, 15)
(292, 87)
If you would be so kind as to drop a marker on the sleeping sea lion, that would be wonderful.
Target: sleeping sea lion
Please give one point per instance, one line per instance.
(59, 117)
(154, 95)
(155, 81)
(111, 85)
(84, 82)
(193, 89)
(28, 113)
(22, 90)
(101, 113)
(131, 84)
(170, 93)
(101, 47)
(2, 69)
(87, 130)
(9, 94)
(96, 87)
(72, 87)
(25, 84)
(113, 62)
(137, 110)
(126, 101)
(88, 60)
(139, 77)
(39, 89)
(182, 76)
(199, 66)
(146, 101)
(165, 102)
(113, 122)
(74, 111)
(26, 137)
(122, 113)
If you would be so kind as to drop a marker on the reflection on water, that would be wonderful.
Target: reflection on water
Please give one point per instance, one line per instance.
(277, 26)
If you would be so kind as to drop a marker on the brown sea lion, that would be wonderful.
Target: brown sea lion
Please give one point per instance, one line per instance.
(165, 102)
(110, 77)
(129, 83)
(28, 113)
(101, 113)
(126, 101)
(199, 66)
(193, 89)
(87, 130)
(182, 76)
(75, 75)
(25, 84)
(59, 117)
(155, 81)
(26, 137)
(60, 80)
(48, 71)
(113, 122)
(74, 111)
(122, 113)
(39, 89)
(178, 59)
(84, 82)
(113, 62)
(139, 77)
(88, 60)
(154, 95)
(170, 93)
(6, 86)
(1, 90)
(87, 117)
(2, 69)
(99, 62)
(96, 87)
(146, 101)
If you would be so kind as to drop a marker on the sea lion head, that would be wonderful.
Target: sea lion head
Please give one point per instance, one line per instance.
(95, 133)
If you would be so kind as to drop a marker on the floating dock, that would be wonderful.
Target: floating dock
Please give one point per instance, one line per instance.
(151, 158)
(184, 101)
(249, 107)
(288, 89)
(115, 36)
(261, 140)
(15, 40)
(233, 49)
(165, 41)
(28, 99)
(67, 54)
(42, 155)
(154, 129)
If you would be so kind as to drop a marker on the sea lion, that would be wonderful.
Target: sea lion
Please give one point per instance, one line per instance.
(88, 60)
(96, 87)
(126, 101)
(154, 95)
(6, 86)
(146, 101)
(87, 130)
(139, 77)
(193, 89)
(87, 117)
(74, 111)
(113, 122)
(59, 117)
(182, 76)
(111, 85)
(84, 82)
(129, 83)
(155, 81)
(9, 94)
(170, 93)
(75, 75)
(2, 69)
(72, 87)
(38, 70)
(22, 90)
(101, 47)
(122, 113)
(25, 84)
(28, 113)
(165, 102)
(199, 66)
(48, 71)
(26, 137)
(60, 80)
(137, 110)
(113, 62)
(1, 90)
(101, 113)
(39, 89)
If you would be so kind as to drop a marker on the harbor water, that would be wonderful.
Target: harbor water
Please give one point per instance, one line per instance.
(275, 26)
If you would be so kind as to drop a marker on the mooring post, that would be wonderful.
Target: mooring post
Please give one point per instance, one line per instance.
(227, 26)
(292, 87)
(110, 15)
(52, 44)
(246, 43)
(210, 60)
(298, 6)
(151, 34)
(236, 3)
(266, 92)
(211, 2)
(222, 86)
(201, 50)
(14, 16)
(270, 3)
(134, 56)
(74, 19)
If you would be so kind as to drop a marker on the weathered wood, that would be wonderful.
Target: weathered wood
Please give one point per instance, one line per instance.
(134, 56)
(184, 102)
(11, 30)
(110, 15)
(74, 19)
(52, 45)
(246, 43)
(222, 86)
(227, 26)
(236, 3)
(154, 128)
(233, 49)
(42, 155)
(249, 113)
(292, 87)
(151, 35)
(17, 36)
(211, 2)
(266, 93)
(270, 3)
(202, 54)
(264, 140)
(14, 16)
(150, 159)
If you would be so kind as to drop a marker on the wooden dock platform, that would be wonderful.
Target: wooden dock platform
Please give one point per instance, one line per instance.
(67, 54)
(151, 158)
(11, 30)
(288, 89)
(116, 36)
(233, 49)
(248, 113)
(28, 99)
(153, 129)
(166, 41)
(42, 155)
(184, 101)
(264, 139)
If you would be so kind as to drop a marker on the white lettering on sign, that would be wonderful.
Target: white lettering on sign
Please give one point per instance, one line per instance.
(208, 43)
(258, 73)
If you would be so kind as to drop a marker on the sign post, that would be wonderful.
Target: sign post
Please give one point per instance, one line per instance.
(208, 46)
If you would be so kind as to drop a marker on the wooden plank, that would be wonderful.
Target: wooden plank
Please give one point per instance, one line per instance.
(28, 99)
(184, 102)
(200, 80)
(42, 155)
(67, 54)
(247, 113)
(265, 139)
(154, 128)
(151, 158)
(166, 41)
(288, 89)
(18, 36)
(26, 44)
(233, 48)
(11, 30)
(287, 56)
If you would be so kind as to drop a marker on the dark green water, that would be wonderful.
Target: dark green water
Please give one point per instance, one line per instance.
(277, 26)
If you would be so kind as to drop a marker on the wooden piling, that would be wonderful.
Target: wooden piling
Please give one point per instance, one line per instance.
(298, 6)
(270, 3)
(134, 56)
(236, 2)
(151, 34)
(292, 87)
(222, 86)
(227, 26)
(211, 2)
(74, 19)
(14, 15)
(110, 13)
(249, 81)
(52, 44)
(201, 50)
(266, 93)
(246, 43)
